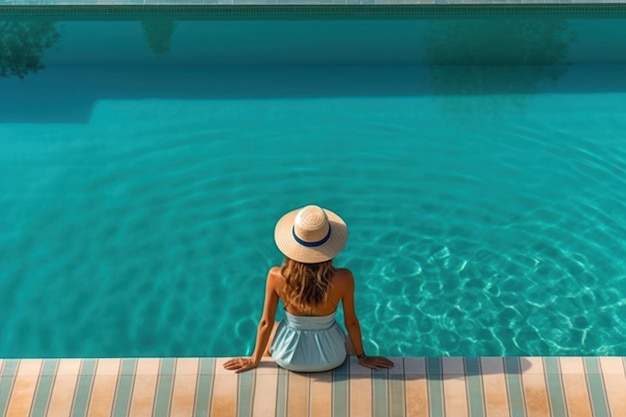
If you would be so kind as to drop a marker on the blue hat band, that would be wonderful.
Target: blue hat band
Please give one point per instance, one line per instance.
(311, 244)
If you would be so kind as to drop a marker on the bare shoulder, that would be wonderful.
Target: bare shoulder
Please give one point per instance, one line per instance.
(343, 271)
(343, 278)
(274, 277)
(274, 271)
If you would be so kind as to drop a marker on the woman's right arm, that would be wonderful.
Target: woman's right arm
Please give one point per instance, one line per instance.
(264, 330)
(354, 328)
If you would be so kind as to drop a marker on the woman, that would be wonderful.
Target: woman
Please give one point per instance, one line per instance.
(309, 339)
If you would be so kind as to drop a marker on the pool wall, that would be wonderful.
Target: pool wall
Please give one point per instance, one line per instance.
(331, 8)
(302, 2)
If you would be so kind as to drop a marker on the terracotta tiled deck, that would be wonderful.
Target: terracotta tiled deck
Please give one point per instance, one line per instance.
(454, 387)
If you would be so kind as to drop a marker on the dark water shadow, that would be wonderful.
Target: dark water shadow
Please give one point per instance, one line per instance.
(158, 33)
(22, 45)
(68, 94)
(532, 54)
(506, 58)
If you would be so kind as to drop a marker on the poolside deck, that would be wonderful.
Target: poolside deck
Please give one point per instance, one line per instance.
(455, 387)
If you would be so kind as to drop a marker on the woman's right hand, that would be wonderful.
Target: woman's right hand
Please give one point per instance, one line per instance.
(239, 364)
(375, 362)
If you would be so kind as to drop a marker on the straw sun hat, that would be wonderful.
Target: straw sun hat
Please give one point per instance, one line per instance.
(310, 234)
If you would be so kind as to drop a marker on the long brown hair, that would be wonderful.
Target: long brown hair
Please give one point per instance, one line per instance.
(307, 284)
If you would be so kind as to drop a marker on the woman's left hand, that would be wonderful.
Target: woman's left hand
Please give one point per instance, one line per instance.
(239, 364)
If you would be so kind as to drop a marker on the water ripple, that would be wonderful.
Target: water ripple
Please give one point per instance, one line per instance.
(156, 231)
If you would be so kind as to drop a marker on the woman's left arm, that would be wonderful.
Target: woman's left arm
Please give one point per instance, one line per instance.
(264, 331)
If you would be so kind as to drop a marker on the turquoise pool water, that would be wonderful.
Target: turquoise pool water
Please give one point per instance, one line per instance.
(480, 165)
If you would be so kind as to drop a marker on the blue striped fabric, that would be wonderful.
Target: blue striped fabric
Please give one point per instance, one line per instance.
(124, 387)
(83, 387)
(435, 386)
(44, 388)
(164, 387)
(474, 387)
(380, 385)
(555, 386)
(388, 388)
(397, 398)
(596, 387)
(281, 397)
(514, 383)
(9, 368)
(340, 390)
(245, 394)
(204, 387)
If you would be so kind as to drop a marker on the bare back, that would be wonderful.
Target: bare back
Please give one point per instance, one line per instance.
(336, 292)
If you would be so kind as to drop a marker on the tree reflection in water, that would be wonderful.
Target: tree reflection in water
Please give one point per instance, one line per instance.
(22, 45)
(506, 57)
(158, 33)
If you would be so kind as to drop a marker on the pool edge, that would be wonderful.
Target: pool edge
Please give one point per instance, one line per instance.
(507, 386)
